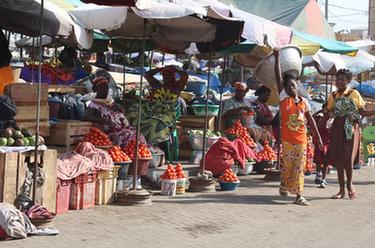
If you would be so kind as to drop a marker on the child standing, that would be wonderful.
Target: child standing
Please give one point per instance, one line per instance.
(321, 158)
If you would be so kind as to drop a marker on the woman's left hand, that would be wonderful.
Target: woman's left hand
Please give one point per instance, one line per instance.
(320, 144)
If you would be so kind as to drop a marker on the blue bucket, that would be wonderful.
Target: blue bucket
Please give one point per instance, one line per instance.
(197, 87)
(228, 186)
(123, 171)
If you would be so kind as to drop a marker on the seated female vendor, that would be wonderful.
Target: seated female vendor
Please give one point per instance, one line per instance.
(109, 116)
(264, 117)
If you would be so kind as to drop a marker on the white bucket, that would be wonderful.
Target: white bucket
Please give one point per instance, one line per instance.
(168, 187)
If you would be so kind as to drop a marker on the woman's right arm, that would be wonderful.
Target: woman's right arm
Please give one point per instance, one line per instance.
(149, 75)
(276, 53)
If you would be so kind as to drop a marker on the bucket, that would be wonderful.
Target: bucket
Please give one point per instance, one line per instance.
(168, 187)
(123, 171)
(181, 186)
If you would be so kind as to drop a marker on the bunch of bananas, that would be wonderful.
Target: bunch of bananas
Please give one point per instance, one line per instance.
(164, 95)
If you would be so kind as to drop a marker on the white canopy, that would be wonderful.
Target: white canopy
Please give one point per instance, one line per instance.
(329, 62)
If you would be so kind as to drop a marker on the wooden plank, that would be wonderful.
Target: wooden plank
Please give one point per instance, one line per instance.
(28, 113)
(44, 127)
(68, 132)
(26, 93)
(12, 175)
(49, 186)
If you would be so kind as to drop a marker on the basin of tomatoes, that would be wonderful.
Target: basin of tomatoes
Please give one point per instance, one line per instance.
(240, 132)
(97, 137)
(118, 155)
(267, 154)
(143, 151)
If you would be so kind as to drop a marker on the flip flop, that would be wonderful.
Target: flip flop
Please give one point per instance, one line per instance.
(302, 202)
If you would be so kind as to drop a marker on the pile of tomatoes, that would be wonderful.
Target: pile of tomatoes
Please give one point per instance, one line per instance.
(241, 133)
(143, 151)
(228, 177)
(118, 155)
(170, 173)
(97, 137)
(179, 171)
(267, 154)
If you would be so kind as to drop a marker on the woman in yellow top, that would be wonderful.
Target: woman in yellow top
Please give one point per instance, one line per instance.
(346, 105)
(295, 112)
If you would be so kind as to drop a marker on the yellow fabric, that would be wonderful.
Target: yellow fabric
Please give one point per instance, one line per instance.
(292, 168)
(354, 96)
(6, 77)
(307, 47)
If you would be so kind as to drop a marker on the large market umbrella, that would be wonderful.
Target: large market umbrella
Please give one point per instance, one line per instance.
(23, 16)
(173, 26)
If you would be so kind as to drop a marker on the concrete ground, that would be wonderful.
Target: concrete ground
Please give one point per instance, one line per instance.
(253, 216)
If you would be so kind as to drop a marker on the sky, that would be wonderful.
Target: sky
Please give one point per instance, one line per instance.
(347, 14)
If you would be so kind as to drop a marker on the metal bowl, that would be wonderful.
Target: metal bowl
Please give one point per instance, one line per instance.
(196, 142)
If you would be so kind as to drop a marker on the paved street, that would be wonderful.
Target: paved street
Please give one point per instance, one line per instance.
(254, 216)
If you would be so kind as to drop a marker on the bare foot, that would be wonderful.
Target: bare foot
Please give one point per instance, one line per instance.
(339, 195)
(352, 193)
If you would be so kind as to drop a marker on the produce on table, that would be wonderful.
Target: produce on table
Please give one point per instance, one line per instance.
(143, 151)
(199, 133)
(179, 171)
(97, 137)
(241, 133)
(267, 154)
(169, 173)
(228, 177)
(118, 155)
(11, 137)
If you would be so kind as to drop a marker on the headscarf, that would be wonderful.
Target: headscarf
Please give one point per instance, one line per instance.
(99, 81)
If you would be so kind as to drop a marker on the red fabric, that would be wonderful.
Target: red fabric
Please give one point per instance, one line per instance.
(224, 153)
(244, 151)
(3, 234)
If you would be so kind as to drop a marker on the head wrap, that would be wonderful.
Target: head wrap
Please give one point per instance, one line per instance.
(99, 81)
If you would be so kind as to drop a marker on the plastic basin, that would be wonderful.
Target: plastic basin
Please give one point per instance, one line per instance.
(200, 110)
(229, 186)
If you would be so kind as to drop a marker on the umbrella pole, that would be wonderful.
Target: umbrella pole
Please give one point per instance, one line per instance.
(56, 65)
(206, 110)
(124, 83)
(326, 87)
(139, 108)
(242, 77)
(32, 62)
(226, 59)
(38, 100)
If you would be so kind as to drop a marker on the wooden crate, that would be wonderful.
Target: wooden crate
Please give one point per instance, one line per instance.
(28, 113)
(13, 173)
(26, 93)
(44, 127)
(68, 133)
(197, 122)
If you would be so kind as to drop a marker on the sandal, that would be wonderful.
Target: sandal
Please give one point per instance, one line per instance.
(302, 202)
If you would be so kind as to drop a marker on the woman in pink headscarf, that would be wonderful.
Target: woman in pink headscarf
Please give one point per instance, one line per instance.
(109, 116)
